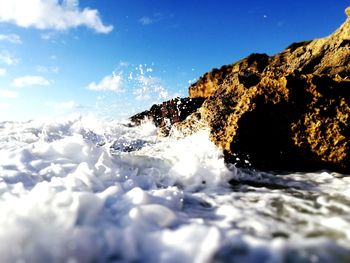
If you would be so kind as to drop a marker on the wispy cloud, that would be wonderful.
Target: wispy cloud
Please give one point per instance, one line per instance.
(3, 72)
(7, 58)
(154, 18)
(145, 20)
(8, 94)
(53, 14)
(63, 105)
(112, 83)
(44, 69)
(12, 38)
(26, 81)
(48, 35)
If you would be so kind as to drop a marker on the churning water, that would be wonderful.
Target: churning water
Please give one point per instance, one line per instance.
(79, 189)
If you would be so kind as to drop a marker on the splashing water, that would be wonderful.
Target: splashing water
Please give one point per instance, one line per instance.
(78, 189)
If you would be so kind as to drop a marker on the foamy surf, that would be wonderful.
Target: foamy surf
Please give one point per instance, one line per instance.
(78, 189)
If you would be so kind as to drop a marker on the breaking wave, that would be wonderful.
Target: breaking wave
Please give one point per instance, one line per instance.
(79, 189)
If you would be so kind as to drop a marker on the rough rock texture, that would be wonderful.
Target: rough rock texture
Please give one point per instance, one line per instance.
(295, 122)
(169, 112)
(290, 111)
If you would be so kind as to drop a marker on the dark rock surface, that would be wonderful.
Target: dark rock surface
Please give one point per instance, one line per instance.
(287, 112)
(169, 112)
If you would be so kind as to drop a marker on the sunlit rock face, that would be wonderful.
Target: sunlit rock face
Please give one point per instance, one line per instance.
(286, 112)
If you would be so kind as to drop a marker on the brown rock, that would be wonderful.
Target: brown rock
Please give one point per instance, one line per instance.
(288, 112)
(248, 70)
(282, 123)
(329, 55)
(285, 112)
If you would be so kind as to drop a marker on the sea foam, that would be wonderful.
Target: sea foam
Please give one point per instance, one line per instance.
(79, 189)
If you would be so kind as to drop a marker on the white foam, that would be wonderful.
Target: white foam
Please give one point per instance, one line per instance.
(66, 196)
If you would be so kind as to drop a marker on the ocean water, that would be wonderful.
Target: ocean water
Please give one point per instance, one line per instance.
(78, 189)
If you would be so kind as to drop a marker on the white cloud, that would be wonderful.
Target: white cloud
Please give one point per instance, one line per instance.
(4, 106)
(12, 38)
(109, 83)
(154, 18)
(8, 94)
(30, 81)
(7, 58)
(2, 72)
(51, 14)
(48, 35)
(43, 69)
(55, 69)
(145, 20)
(63, 105)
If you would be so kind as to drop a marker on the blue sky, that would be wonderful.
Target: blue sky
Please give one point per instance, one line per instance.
(117, 57)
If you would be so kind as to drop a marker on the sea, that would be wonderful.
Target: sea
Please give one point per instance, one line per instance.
(81, 189)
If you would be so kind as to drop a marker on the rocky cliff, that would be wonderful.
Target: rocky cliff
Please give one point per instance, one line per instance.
(289, 111)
